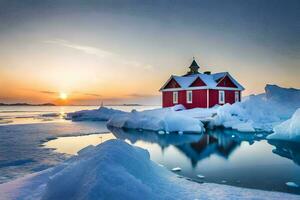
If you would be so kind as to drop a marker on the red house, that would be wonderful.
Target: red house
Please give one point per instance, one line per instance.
(203, 90)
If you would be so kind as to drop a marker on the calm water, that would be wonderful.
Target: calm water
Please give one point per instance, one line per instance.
(221, 156)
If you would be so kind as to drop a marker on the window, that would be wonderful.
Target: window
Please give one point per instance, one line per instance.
(175, 97)
(189, 96)
(236, 96)
(221, 97)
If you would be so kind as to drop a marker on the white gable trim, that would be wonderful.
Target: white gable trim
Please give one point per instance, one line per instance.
(233, 80)
(166, 83)
(200, 88)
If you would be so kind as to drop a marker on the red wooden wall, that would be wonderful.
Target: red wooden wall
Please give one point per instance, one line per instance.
(226, 82)
(199, 98)
(172, 84)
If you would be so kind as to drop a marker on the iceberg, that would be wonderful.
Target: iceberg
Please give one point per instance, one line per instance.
(163, 120)
(117, 170)
(288, 130)
(259, 112)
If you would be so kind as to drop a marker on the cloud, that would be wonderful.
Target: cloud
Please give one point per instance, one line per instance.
(137, 95)
(86, 49)
(74, 92)
(47, 92)
(99, 53)
(88, 94)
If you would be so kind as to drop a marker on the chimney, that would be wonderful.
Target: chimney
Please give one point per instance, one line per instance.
(207, 72)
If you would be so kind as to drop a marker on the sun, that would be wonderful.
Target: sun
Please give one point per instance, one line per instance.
(63, 96)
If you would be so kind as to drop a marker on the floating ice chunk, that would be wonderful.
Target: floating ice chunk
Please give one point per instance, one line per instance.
(223, 181)
(161, 132)
(200, 176)
(260, 135)
(176, 169)
(292, 184)
(180, 132)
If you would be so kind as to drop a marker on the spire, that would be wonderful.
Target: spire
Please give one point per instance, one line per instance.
(194, 67)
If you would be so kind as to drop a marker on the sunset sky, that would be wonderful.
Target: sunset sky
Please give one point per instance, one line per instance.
(85, 52)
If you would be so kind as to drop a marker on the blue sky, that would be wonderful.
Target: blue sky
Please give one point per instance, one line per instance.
(123, 51)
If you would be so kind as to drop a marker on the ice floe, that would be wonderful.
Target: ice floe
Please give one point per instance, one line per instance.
(117, 170)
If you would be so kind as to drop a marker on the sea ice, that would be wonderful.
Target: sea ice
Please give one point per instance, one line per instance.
(117, 170)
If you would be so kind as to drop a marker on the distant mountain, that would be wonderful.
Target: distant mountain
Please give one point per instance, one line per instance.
(26, 104)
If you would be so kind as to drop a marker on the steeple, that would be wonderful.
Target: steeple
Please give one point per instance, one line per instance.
(194, 67)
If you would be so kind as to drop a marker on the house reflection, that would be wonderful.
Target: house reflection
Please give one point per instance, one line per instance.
(195, 147)
(208, 145)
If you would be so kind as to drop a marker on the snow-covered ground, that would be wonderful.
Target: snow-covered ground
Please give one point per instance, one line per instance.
(255, 113)
(117, 170)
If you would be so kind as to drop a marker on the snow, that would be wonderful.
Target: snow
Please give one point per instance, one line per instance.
(211, 81)
(259, 112)
(288, 130)
(101, 114)
(160, 120)
(117, 170)
(256, 113)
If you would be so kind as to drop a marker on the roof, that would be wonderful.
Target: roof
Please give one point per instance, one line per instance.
(211, 81)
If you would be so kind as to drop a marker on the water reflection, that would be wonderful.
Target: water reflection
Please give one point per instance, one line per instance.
(286, 149)
(195, 147)
(223, 156)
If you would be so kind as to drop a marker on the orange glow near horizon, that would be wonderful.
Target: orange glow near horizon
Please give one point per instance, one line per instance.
(63, 96)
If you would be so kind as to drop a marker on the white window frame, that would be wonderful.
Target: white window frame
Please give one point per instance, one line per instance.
(221, 94)
(189, 93)
(175, 97)
(236, 96)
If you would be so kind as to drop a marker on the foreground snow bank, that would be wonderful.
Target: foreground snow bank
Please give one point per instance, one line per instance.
(259, 112)
(288, 130)
(163, 120)
(117, 170)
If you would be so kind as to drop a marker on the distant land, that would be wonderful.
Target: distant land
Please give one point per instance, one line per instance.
(26, 104)
(52, 104)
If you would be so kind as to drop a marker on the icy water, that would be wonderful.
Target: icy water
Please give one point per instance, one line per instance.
(43, 139)
(220, 156)
(23, 130)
